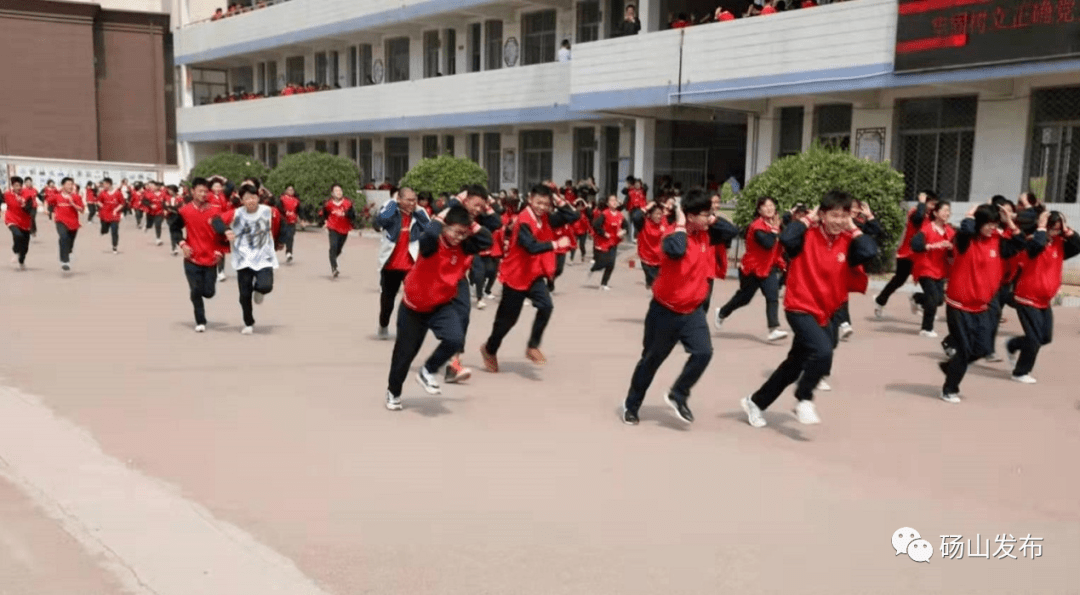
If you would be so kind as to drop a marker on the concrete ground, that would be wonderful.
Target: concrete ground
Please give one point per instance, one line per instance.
(137, 456)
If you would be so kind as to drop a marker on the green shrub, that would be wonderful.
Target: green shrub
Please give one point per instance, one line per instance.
(312, 175)
(444, 174)
(234, 167)
(806, 177)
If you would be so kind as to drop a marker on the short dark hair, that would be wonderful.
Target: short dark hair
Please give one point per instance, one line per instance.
(835, 199)
(541, 190)
(939, 205)
(930, 194)
(65, 180)
(423, 195)
(695, 201)
(249, 189)
(196, 182)
(476, 190)
(106, 180)
(761, 201)
(986, 214)
(16, 180)
(1055, 218)
(457, 215)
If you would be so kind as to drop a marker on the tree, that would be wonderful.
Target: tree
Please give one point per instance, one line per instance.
(234, 167)
(444, 174)
(806, 177)
(312, 175)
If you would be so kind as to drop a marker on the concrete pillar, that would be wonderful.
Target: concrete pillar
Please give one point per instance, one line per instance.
(187, 93)
(185, 158)
(808, 125)
(649, 15)
(645, 150)
(626, 154)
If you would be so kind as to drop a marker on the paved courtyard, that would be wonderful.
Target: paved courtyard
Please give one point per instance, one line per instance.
(139, 457)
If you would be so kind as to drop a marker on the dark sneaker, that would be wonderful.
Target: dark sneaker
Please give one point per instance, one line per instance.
(630, 418)
(681, 409)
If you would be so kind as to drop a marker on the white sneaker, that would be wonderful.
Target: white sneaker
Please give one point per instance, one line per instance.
(1013, 356)
(950, 397)
(806, 413)
(605, 288)
(717, 321)
(428, 382)
(822, 385)
(288, 257)
(1025, 379)
(879, 310)
(200, 328)
(846, 331)
(158, 242)
(489, 297)
(928, 334)
(916, 309)
(247, 330)
(776, 334)
(480, 305)
(258, 297)
(754, 416)
(384, 333)
(393, 403)
(221, 277)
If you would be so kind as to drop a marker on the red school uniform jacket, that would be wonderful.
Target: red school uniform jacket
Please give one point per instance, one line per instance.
(635, 199)
(759, 260)
(607, 225)
(496, 249)
(914, 223)
(933, 264)
(112, 203)
(289, 204)
(16, 212)
(976, 273)
(400, 259)
(683, 283)
(520, 268)
(64, 212)
(819, 276)
(648, 241)
(1040, 275)
(153, 203)
(433, 280)
(135, 200)
(205, 243)
(720, 250)
(91, 198)
(30, 195)
(565, 232)
(337, 216)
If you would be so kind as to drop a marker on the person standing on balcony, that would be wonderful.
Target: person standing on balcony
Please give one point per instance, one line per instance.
(339, 215)
(401, 224)
(630, 24)
(564, 51)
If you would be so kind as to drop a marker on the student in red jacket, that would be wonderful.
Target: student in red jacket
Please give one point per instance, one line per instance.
(528, 264)
(153, 202)
(485, 268)
(824, 247)
(135, 202)
(67, 205)
(720, 251)
(288, 205)
(1004, 295)
(974, 279)
(1053, 243)
(19, 220)
(430, 289)
(91, 200)
(760, 269)
(581, 227)
(653, 229)
(566, 231)
(610, 228)
(111, 210)
(202, 247)
(676, 314)
(29, 194)
(904, 254)
(932, 246)
(339, 215)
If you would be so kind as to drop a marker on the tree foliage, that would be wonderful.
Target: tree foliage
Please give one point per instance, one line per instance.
(234, 167)
(444, 174)
(806, 177)
(312, 175)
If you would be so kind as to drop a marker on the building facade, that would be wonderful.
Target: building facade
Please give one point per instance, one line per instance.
(476, 78)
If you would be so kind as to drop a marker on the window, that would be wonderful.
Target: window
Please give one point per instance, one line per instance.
(245, 149)
(295, 146)
(493, 41)
(588, 21)
(476, 44)
(206, 85)
(1054, 163)
(320, 68)
(431, 54)
(364, 160)
(242, 79)
(584, 153)
(334, 147)
(472, 147)
(294, 70)
(260, 81)
(448, 145)
(832, 125)
(397, 59)
(354, 149)
(320, 146)
(335, 69)
(538, 32)
(351, 64)
(397, 158)
(271, 86)
(536, 157)
(492, 158)
(430, 146)
(449, 66)
(791, 129)
(272, 155)
(936, 144)
(365, 65)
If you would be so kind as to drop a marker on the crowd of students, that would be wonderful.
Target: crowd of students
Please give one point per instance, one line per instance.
(444, 254)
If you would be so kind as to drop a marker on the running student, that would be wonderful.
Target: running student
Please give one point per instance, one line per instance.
(975, 278)
(153, 202)
(29, 194)
(905, 261)
(288, 205)
(609, 226)
(67, 205)
(653, 228)
(824, 247)
(566, 231)
(339, 215)
(581, 227)
(676, 314)
(760, 269)
(111, 207)
(202, 247)
(1040, 279)
(720, 252)
(485, 269)
(529, 263)
(401, 224)
(430, 289)
(19, 220)
(173, 201)
(91, 201)
(254, 230)
(932, 246)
